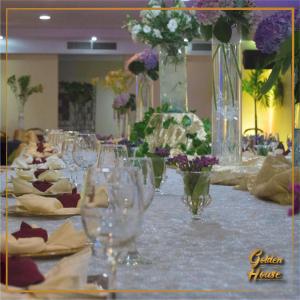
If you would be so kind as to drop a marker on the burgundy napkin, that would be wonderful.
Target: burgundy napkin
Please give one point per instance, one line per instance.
(42, 186)
(38, 172)
(69, 200)
(40, 160)
(26, 231)
(40, 147)
(22, 272)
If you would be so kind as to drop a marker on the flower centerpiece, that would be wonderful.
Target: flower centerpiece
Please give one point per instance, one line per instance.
(145, 62)
(171, 31)
(120, 81)
(226, 28)
(122, 104)
(274, 36)
(196, 179)
(144, 66)
(22, 91)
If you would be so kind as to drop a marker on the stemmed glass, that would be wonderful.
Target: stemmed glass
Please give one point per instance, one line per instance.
(111, 210)
(111, 155)
(55, 139)
(85, 150)
(67, 154)
(133, 257)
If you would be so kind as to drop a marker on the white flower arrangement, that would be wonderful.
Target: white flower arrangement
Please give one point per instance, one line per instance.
(169, 29)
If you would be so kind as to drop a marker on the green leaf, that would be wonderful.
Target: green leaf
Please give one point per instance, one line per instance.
(206, 31)
(168, 122)
(186, 121)
(222, 30)
(271, 80)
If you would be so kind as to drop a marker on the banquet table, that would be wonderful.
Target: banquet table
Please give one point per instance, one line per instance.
(203, 259)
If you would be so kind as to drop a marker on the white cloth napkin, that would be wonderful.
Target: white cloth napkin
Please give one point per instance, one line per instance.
(63, 238)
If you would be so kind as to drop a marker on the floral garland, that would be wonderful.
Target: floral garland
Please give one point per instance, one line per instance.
(119, 81)
(169, 29)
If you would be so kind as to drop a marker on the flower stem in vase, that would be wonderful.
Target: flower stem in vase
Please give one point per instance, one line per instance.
(159, 170)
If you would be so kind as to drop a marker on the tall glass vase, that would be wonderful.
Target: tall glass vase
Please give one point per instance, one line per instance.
(21, 122)
(143, 90)
(226, 104)
(123, 129)
(173, 79)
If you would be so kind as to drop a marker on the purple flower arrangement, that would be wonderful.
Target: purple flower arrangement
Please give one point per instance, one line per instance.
(145, 62)
(123, 103)
(162, 152)
(219, 23)
(272, 31)
(197, 164)
(296, 200)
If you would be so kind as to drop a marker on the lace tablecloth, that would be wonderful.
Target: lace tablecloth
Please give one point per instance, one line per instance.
(207, 256)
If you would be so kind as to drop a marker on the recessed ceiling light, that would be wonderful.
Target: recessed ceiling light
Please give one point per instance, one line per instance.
(93, 38)
(44, 17)
(1, 37)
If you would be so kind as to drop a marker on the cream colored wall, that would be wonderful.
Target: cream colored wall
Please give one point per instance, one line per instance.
(86, 69)
(41, 110)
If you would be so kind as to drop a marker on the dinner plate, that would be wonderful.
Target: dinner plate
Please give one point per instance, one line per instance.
(13, 211)
(53, 253)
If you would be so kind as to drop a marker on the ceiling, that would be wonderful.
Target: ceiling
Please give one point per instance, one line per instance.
(25, 26)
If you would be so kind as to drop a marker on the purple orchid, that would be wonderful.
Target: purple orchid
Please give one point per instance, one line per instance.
(120, 101)
(162, 152)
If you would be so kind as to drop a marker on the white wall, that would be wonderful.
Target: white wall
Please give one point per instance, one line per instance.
(41, 110)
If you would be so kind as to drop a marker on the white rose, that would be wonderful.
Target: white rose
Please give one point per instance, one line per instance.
(147, 29)
(157, 33)
(172, 25)
(155, 13)
(136, 29)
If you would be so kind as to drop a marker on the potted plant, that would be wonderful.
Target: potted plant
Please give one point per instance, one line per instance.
(22, 90)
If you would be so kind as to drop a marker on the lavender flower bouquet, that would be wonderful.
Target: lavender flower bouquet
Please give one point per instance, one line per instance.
(145, 62)
(196, 180)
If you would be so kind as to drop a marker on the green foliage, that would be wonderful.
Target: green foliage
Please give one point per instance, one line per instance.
(168, 122)
(21, 87)
(282, 63)
(186, 121)
(78, 93)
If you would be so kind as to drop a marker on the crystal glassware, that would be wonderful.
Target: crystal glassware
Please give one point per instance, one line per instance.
(110, 155)
(111, 211)
(133, 257)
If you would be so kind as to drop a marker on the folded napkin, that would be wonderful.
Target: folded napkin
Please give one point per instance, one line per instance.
(26, 175)
(33, 239)
(39, 160)
(15, 295)
(39, 204)
(21, 186)
(70, 273)
(55, 163)
(69, 200)
(28, 231)
(22, 272)
(20, 163)
(274, 180)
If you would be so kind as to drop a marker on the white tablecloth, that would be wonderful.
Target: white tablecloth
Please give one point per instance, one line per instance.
(209, 255)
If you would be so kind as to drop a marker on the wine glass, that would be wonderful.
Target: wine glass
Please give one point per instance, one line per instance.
(85, 151)
(55, 139)
(67, 154)
(111, 211)
(111, 155)
(145, 166)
